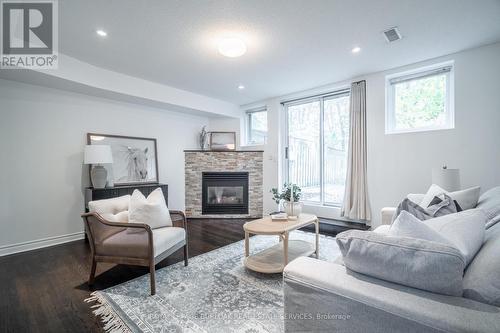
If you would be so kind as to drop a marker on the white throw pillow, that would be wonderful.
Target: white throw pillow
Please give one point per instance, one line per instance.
(151, 210)
(465, 230)
(467, 199)
(407, 225)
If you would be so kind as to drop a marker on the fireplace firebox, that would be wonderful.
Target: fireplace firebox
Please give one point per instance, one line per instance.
(224, 193)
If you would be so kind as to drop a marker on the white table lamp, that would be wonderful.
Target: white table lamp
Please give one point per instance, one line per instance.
(97, 155)
(448, 179)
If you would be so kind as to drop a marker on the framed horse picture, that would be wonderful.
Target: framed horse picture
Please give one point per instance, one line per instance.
(135, 160)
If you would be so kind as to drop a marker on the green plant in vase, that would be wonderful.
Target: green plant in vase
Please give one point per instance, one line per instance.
(289, 196)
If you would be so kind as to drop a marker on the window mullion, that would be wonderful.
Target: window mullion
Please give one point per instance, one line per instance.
(322, 151)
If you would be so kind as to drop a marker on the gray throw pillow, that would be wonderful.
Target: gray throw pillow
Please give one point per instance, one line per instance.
(464, 230)
(408, 261)
(466, 198)
(442, 205)
(407, 225)
(482, 277)
(489, 203)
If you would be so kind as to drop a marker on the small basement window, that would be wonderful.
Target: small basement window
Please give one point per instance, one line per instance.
(420, 100)
(256, 120)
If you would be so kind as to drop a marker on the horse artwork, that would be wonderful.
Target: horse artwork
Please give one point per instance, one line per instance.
(134, 159)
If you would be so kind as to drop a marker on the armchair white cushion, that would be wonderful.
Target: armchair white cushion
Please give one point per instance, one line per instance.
(166, 238)
(110, 206)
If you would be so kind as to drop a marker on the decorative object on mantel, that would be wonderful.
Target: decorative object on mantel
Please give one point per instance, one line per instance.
(98, 155)
(448, 179)
(203, 138)
(135, 159)
(222, 141)
(289, 196)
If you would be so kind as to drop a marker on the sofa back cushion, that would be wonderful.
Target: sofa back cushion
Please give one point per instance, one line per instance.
(408, 261)
(482, 277)
(489, 203)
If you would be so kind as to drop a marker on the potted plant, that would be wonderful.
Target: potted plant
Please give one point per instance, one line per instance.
(289, 196)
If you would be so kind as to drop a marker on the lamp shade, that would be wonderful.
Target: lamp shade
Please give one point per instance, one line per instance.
(97, 154)
(448, 179)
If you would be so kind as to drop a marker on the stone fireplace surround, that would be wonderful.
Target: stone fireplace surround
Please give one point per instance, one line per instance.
(199, 161)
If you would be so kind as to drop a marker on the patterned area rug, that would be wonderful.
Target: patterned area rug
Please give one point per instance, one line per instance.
(215, 293)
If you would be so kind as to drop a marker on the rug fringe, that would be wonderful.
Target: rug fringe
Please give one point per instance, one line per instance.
(112, 322)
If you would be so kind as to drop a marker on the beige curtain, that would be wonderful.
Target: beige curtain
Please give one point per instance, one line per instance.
(356, 202)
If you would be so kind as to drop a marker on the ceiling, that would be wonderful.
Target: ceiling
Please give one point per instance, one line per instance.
(292, 44)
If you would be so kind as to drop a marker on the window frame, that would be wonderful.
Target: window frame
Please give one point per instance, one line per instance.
(446, 68)
(286, 167)
(248, 122)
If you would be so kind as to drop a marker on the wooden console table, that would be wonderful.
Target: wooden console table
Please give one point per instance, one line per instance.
(113, 192)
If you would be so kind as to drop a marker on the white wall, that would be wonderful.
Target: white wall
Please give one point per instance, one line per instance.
(42, 135)
(402, 163)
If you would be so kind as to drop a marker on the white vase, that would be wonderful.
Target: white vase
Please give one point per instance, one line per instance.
(297, 208)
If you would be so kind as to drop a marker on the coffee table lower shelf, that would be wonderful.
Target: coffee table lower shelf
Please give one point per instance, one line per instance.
(271, 259)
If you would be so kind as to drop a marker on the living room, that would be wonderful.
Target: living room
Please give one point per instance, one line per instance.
(250, 166)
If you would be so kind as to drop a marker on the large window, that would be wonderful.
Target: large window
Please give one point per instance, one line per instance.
(421, 100)
(256, 126)
(317, 136)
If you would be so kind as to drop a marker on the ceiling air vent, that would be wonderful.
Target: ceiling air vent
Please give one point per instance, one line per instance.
(392, 34)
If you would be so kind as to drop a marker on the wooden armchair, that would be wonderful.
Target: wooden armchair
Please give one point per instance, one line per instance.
(110, 241)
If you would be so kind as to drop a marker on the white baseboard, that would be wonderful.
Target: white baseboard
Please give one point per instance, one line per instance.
(40, 243)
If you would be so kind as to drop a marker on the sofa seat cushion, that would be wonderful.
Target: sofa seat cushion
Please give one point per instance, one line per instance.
(135, 245)
(408, 261)
(482, 277)
(166, 238)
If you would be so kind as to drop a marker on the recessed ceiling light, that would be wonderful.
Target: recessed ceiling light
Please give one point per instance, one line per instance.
(101, 33)
(356, 49)
(241, 87)
(231, 47)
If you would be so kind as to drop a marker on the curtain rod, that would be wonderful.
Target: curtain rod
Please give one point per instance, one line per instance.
(332, 93)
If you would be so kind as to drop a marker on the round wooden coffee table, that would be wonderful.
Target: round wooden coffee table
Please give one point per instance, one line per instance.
(275, 258)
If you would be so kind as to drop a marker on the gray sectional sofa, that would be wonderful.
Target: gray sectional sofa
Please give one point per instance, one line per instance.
(327, 297)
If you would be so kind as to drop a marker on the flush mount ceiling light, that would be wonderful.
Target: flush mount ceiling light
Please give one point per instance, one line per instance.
(356, 49)
(231, 47)
(101, 33)
(241, 87)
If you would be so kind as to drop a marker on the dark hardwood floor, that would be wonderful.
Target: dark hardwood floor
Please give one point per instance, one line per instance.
(43, 290)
